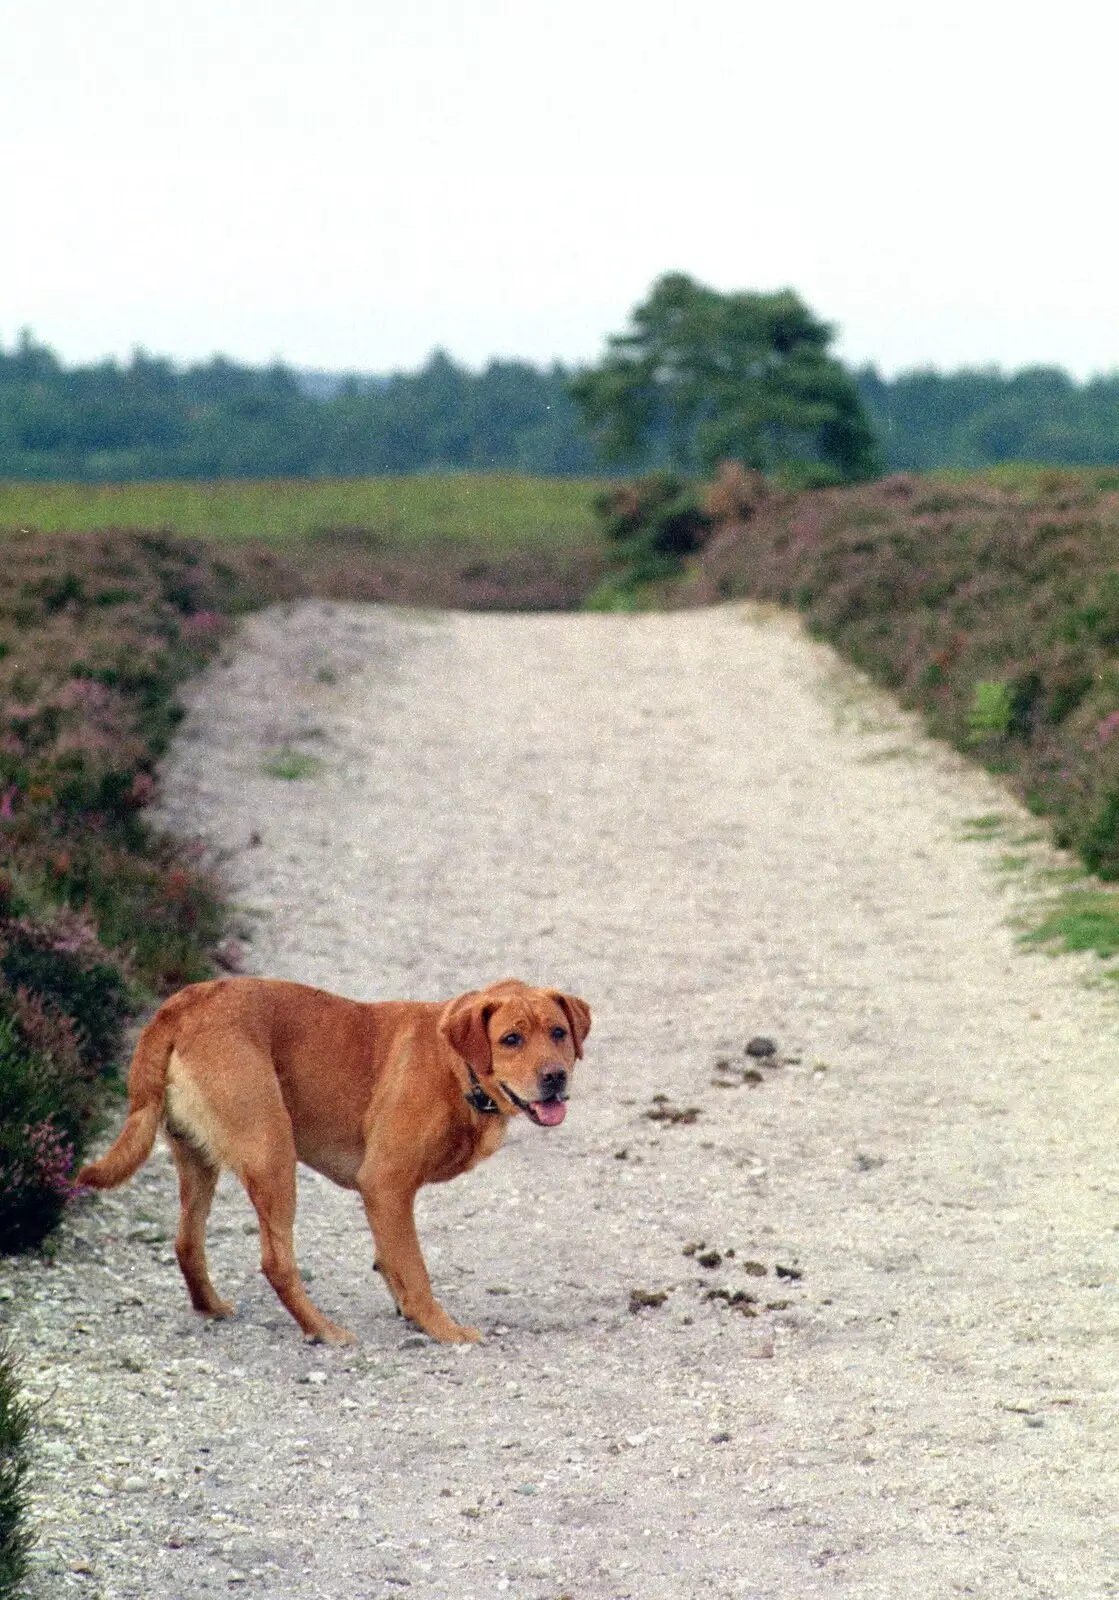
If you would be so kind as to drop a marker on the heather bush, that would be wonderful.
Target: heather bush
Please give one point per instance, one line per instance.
(991, 603)
(39, 1113)
(96, 908)
(62, 964)
(97, 632)
(15, 1429)
(63, 1006)
(36, 1158)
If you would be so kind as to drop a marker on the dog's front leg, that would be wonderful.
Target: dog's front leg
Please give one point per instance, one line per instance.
(389, 1205)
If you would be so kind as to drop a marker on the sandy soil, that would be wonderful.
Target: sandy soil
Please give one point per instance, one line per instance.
(703, 826)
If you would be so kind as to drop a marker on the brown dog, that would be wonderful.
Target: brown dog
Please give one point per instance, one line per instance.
(256, 1074)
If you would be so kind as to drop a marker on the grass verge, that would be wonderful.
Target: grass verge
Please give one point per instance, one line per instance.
(988, 602)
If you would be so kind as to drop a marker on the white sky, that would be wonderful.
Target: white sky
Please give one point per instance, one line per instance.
(346, 184)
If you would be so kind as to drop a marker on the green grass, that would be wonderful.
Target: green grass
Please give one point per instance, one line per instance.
(1033, 481)
(1085, 920)
(505, 509)
(1062, 874)
(293, 764)
(987, 826)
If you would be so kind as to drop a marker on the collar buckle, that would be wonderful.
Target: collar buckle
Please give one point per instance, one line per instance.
(478, 1098)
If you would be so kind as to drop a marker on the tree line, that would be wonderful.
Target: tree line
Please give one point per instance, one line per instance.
(696, 376)
(219, 419)
(978, 418)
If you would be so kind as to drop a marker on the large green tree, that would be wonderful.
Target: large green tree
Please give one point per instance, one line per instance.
(700, 377)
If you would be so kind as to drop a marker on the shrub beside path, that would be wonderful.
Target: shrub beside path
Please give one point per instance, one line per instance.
(872, 1349)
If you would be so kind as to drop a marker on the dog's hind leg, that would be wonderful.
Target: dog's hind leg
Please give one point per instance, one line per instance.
(269, 1179)
(198, 1179)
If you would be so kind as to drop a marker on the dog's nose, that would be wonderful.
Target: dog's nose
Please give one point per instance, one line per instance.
(553, 1083)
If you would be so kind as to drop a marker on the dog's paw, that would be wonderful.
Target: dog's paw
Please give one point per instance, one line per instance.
(458, 1334)
(444, 1331)
(330, 1333)
(211, 1306)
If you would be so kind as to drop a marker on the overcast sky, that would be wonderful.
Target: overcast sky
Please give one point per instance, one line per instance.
(349, 183)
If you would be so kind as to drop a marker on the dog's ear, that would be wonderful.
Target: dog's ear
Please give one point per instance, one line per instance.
(578, 1014)
(462, 1023)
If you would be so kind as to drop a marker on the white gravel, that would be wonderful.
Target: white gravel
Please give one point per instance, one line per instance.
(708, 830)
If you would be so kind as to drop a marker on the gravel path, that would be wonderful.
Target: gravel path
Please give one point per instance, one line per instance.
(702, 825)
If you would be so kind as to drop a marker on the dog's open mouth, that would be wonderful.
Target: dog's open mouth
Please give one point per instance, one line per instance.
(545, 1113)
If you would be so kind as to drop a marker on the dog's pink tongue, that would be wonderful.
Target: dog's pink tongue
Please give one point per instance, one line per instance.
(550, 1112)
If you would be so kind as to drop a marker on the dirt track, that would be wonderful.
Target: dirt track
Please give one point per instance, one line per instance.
(699, 824)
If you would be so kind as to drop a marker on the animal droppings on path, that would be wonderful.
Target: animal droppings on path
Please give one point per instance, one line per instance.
(664, 1111)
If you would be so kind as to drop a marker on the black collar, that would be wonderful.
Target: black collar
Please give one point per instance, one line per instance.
(478, 1098)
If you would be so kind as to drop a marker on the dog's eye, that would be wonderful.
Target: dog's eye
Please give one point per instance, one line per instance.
(511, 1040)
(559, 1034)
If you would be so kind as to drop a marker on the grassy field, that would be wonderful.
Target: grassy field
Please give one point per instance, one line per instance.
(503, 510)
(1030, 483)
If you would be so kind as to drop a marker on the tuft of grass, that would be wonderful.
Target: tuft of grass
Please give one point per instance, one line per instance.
(893, 752)
(15, 1444)
(293, 765)
(1065, 875)
(991, 709)
(614, 594)
(1084, 920)
(988, 826)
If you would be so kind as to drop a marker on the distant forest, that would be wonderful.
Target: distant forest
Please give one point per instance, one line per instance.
(151, 419)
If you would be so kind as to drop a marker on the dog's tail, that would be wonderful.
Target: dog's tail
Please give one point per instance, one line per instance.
(147, 1088)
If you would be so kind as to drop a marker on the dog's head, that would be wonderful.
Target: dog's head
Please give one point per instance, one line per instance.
(522, 1045)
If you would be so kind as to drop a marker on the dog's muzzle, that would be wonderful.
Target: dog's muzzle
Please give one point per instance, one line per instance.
(547, 1113)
